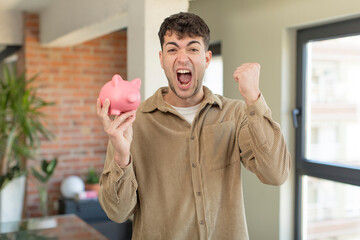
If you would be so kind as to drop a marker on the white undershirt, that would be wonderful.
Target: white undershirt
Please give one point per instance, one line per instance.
(188, 112)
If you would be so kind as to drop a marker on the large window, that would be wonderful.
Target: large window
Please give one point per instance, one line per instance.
(213, 77)
(328, 132)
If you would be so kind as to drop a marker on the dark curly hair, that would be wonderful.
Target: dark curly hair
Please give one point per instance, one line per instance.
(185, 24)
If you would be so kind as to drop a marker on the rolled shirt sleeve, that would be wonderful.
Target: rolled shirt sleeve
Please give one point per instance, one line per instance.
(118, 189)
(262, 145)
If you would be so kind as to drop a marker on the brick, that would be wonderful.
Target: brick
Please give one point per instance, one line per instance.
(92, 43)
(70, 57)
(99, 51)
(59, 64)
(82, 49)
(70, 146)
(69, 71)
(61, 78)
(113, 58)
(102, 65)
(82, 109)
(82, 65)
(92, 71)
(91, 58)
(32, 24)
(72, 85)
(49, 146)
(60, 50)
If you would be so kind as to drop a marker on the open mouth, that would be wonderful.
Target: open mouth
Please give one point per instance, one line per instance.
(184, 77)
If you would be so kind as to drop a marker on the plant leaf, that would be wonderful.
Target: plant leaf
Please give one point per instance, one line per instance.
(39, 176)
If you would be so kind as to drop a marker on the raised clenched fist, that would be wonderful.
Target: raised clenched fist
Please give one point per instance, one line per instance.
(247, 76)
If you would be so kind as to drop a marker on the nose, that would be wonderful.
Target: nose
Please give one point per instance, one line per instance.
(182, 57)
(132, 97)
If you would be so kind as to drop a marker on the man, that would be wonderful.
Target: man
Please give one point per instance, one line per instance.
(177, 168)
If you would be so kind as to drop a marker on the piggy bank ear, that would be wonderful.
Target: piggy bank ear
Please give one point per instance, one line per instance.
(136, 82)
(116, 80)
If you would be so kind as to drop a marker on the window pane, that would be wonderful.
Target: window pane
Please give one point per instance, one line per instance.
(331, 210)
(333, 101)
(213, 77)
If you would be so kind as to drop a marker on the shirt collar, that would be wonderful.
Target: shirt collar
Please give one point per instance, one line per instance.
(157, 101)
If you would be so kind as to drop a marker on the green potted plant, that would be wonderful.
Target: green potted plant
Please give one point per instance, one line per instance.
(92, 180)
(21, 127)
(42, 176)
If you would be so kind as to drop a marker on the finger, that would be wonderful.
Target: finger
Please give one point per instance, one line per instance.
(241, 68)
(237, 74)
(98, 106)
(129, 119)
(246, 67)
(124, 116)
(102, 112)
(128, 133)
(105, 108)
(123, 128)
(254, 66)
(235, 77)
(119, 121)
(126, 127)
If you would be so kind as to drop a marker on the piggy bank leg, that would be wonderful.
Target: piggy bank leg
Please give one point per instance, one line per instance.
(115, 112)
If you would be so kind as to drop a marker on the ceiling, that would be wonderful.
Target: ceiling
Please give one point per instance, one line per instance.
(24, 5)
(78, 25)
(34, 6)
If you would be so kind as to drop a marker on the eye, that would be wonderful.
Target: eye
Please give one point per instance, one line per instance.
(194, 49)
(171, 50)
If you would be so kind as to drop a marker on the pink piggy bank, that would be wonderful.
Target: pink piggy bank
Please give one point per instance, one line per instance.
(124, 96)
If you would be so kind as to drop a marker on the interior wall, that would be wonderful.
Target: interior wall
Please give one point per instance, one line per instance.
(145, 18)
(8, 22)
(265, 31)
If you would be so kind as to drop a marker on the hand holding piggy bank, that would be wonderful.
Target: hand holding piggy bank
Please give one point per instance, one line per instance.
(124, 96)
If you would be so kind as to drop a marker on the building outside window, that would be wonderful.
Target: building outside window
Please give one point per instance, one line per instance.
(328, 136)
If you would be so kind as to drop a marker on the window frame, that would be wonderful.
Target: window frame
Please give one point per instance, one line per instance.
(307, 167)
(215, 48)
(8, 50)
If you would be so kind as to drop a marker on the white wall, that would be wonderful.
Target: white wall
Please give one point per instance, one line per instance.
(145, 18)
(8, 22)
(265, 31)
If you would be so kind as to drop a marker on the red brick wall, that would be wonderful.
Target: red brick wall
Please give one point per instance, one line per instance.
(71, 77)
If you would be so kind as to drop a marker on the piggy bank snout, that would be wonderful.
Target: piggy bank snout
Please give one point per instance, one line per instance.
(132, 97)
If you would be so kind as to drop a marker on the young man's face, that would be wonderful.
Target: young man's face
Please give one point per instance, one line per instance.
(184, 62)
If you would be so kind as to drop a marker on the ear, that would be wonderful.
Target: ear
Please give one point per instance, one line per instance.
(161, 60)
(208, 56)
(136, 82)
(116, 80)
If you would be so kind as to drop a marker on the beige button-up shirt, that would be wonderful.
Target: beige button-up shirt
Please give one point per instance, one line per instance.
(184, 181)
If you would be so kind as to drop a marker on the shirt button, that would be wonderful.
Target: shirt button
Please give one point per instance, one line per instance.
(198, 193)
(192, 137)
(252, 113)
(117, 172)
(201, 222)
(193, 165)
